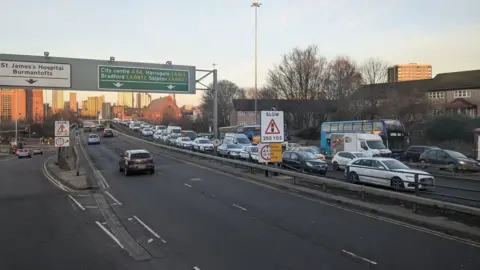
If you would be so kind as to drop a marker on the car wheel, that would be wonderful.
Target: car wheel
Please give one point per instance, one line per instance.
(323, 173)
(335, 166)
(120, 169)
(396, 183)
(152, 171)
(353, 177)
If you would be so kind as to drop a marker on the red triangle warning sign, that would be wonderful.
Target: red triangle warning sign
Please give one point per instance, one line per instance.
(272, 128)
(61, 129)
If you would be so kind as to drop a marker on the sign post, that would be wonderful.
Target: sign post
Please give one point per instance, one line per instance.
(62, 133)
(143, 79)
(272, 137)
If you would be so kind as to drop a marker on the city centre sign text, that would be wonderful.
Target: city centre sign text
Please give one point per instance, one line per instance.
(142, 79)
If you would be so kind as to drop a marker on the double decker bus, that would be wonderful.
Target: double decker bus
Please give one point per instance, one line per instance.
(392, 133)
(229, 129)
(251, 131)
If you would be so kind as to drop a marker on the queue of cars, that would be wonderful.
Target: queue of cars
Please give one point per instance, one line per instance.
(358, 166)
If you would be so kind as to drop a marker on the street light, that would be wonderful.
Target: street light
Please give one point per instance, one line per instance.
(256, 5)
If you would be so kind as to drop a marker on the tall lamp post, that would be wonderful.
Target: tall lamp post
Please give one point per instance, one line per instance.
(256, 5)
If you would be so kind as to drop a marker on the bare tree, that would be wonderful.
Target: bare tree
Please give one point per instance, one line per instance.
(374, 71)
(227, 92)
(299, 75)
(342, 79)
(410, 106)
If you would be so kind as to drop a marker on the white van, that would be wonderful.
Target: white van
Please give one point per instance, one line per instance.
(370, 144)
(236, 138)
(174, 129)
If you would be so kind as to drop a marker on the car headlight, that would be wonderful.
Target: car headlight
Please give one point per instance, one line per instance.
(461, 162)
(410, 177)
(309, 164)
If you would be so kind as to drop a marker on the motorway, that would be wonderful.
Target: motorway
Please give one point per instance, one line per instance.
(466, 192)
(40, 229)
(210, 220)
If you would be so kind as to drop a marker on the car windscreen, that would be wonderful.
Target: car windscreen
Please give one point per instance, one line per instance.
(307, 155)
(243, 140)
(233, 146)
(376, 145)
(93, 136)
(141, 155)
(186, 139)
(455, 154)
(254, 149)
(204, 141)
(395, 165)
(176, 131)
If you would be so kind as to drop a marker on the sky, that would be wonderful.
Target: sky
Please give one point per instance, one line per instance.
(443, 33)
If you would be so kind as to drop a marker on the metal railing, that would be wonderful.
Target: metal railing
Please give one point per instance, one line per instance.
(325, 182)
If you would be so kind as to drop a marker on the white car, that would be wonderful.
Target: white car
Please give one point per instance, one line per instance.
(202, 145)
(249, 153)
(183, 142)
(387, 172)
(342, 158)
(147, 132)
(23, 153)
(157, 135)
(93, 139)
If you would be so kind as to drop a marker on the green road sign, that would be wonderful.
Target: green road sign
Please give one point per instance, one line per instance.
(147, 79)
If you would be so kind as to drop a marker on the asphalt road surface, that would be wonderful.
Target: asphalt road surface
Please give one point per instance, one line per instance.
(211, 220)
(39, 228)
(447, 188)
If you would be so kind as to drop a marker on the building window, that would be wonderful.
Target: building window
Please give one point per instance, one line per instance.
(436, 95)
(462, 94)
(242, 123)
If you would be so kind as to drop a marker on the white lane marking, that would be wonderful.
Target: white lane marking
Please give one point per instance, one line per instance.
(239, 207)
(196, 268)
(187, 185)
(91, 207)
(76, 202)
(113, 198)
(7, 159)
(150, 240)
(52, 178)
(365, 214)
(149, 229)
(83, 195)
(359, 257)
(196, 179)
(109, 234)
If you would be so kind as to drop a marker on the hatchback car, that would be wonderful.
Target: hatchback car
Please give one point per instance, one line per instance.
(136, 161)
(24, 153)
(108, 133)
(93, 139)
(37, 151)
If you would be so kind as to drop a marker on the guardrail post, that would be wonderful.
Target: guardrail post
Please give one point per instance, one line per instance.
(415, 206)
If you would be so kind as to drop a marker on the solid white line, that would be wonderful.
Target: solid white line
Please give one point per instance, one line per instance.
(91, 207)
(196, 268)
(52, 179)
(359, 257)
(365, 214)
(188, 185)
(196, 179)
(76, 202)
(103, 181)
(113, 198)
(109, 234)
(149, 229)
(239, 207)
